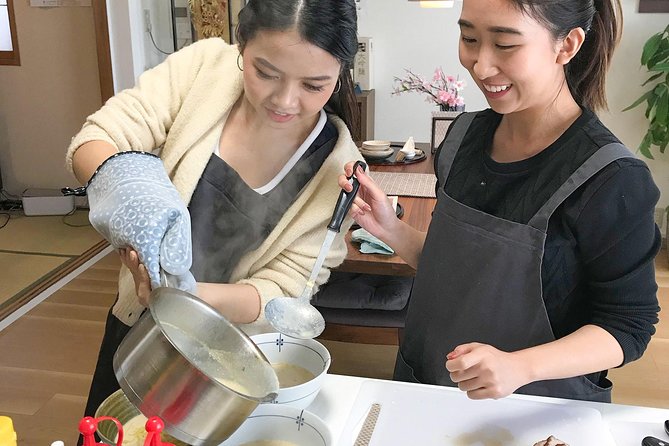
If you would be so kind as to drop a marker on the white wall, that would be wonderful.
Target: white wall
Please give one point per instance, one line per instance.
(407, 36)
(624, 87)
(44, 101)
(132, 50)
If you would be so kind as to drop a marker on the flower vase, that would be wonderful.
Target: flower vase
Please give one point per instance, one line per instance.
(451, 108)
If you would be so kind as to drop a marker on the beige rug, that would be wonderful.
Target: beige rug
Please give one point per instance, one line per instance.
(36, 252)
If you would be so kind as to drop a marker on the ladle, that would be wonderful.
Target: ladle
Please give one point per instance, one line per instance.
(296, 317)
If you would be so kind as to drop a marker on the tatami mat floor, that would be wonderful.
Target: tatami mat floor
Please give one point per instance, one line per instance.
(47, 358)
(38, 248)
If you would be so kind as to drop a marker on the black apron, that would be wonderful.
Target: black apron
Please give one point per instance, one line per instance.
(479, 280)
(228, 219)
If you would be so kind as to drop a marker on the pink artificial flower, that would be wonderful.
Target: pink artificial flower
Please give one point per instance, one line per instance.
(438, 74)
(442, 90)
(444, 96)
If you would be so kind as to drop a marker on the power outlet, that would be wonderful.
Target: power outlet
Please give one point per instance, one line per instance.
(147, 21)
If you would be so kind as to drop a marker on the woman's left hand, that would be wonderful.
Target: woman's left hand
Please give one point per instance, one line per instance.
(483, 371)
(140, 274)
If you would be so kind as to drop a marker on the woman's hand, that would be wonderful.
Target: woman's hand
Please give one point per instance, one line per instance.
(140, 274)
(371, 208)
(485, 372)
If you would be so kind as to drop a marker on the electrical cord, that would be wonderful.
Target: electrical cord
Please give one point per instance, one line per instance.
(155, 45)
(9, 203)
(72, 225)
(7, 218)
(7, 196)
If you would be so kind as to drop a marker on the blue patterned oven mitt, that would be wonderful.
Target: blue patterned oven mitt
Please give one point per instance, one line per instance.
(370, 244)
(134, 204)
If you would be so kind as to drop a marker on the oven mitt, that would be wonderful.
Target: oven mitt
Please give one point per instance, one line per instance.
(134, 204)
(370, 244)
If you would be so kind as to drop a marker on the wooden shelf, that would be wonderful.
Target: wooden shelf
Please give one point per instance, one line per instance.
(366, 110)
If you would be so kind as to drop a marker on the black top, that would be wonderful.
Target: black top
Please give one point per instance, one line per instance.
(229, 218)
(598, 264)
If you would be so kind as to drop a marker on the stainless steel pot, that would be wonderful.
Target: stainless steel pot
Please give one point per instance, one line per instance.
(184, 362)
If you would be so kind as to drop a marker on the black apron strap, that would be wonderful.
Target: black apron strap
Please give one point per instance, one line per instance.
(451, 144)
(600, 159)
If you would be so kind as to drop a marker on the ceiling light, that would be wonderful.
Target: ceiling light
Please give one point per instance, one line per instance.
(435, 3)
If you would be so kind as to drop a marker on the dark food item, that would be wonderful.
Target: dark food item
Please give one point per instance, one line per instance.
(551, 441)
(653, 441)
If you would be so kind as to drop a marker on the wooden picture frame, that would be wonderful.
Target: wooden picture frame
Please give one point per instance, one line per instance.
(441, 121)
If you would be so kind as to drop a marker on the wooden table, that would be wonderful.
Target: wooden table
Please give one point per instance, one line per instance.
(417, 213)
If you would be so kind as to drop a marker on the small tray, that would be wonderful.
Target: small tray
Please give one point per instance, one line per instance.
(390, 160)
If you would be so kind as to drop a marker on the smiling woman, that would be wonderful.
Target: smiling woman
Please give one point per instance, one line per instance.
(9, 48)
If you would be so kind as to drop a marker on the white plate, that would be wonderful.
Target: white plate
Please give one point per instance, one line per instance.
(375, 144)
(436, 416)
(377, 154)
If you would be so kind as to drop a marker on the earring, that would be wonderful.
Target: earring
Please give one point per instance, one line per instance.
(338, 87)
(238, 64)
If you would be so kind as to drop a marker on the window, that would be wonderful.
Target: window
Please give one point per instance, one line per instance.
(9, 48)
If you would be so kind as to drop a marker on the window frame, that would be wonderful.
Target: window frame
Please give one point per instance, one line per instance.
(11, 57)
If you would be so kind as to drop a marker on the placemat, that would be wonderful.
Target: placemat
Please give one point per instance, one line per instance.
(406, 184)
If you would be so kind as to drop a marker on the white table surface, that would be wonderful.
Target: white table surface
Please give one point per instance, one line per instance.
(337, 396)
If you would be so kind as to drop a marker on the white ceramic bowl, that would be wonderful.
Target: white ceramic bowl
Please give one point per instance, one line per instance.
(282, 423)
(308, 354)
(376, 145)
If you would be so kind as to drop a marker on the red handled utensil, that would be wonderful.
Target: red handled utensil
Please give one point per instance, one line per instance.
(154, 426)
(89, 425)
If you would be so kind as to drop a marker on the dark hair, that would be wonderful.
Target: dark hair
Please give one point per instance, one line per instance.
(329, 24)
(602, 22)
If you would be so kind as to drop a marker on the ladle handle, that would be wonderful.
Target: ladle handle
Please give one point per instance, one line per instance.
(345, 200)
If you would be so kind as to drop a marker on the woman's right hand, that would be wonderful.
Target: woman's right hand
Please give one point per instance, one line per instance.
(140, 275)
(372, 208)
(134, 203)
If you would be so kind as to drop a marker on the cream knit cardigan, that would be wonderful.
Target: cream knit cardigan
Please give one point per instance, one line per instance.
(182, 105)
